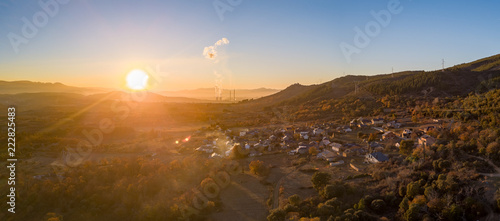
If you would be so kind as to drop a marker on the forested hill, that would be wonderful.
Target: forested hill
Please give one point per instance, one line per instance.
(477, 76)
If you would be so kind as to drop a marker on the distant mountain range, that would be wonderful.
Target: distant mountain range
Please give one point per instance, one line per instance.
(16, 87)
(209, 93)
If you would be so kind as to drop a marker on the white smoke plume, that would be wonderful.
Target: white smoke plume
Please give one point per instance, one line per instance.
(210, 52)
(218, 85)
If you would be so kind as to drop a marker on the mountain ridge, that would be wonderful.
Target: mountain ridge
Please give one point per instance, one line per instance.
(459, 80)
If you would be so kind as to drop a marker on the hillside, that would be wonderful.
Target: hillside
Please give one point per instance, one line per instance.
(288, 93)
(477, 76)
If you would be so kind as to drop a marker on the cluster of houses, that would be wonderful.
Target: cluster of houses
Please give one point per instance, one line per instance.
(294, 140)
(298, 140)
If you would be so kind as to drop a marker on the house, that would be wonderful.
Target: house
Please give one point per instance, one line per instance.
(429, 128)
(377, 121)
(288, 144)
(336, 147)
(389, 135)
(325, 141)
(304, 135)
(318, 131)
(353, 152)
(437, 121)
(353, 123)
(345, 129)
(205, 148)
(376, 157)
(365, 121)
(303, 149)
(407, 133)
(426, 140)
(393, 124)
(327, 155)
(340, 162)
(215, 155)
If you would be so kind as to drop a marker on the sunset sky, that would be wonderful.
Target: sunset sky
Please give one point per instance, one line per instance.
(271, 43)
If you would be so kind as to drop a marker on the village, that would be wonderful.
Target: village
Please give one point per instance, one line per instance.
(362, 142)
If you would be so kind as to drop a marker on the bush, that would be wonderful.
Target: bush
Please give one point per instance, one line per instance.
(259, 168)
(294, 200)
(326, 210)
(405, 204)
(402, 190)
(454, 212)
(335, 202)
(276, 215)
(406, 147)
(413, 213)
(413, 189)
(378, 206)
(335, 190)
(289, 208)
(320, 179)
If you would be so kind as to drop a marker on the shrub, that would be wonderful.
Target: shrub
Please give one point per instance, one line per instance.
(313, 151)
(413, 189)
(406, 147)
(334, 190)
(326, 210)
(454, 212)
(259, 168)
(289, 208)
(413, 213)
(335, 202)
(294, 200)
(405, 204)
(320, 179)
(378, 205)
(276, 215)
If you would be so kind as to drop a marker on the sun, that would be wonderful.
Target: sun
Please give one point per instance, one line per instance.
(137, 79)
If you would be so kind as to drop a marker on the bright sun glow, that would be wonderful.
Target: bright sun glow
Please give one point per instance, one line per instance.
(137, 79)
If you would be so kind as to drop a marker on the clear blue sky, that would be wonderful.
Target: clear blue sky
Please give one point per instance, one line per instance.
(272, 43)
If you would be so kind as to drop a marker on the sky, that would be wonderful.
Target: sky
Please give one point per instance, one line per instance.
(272, 43)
